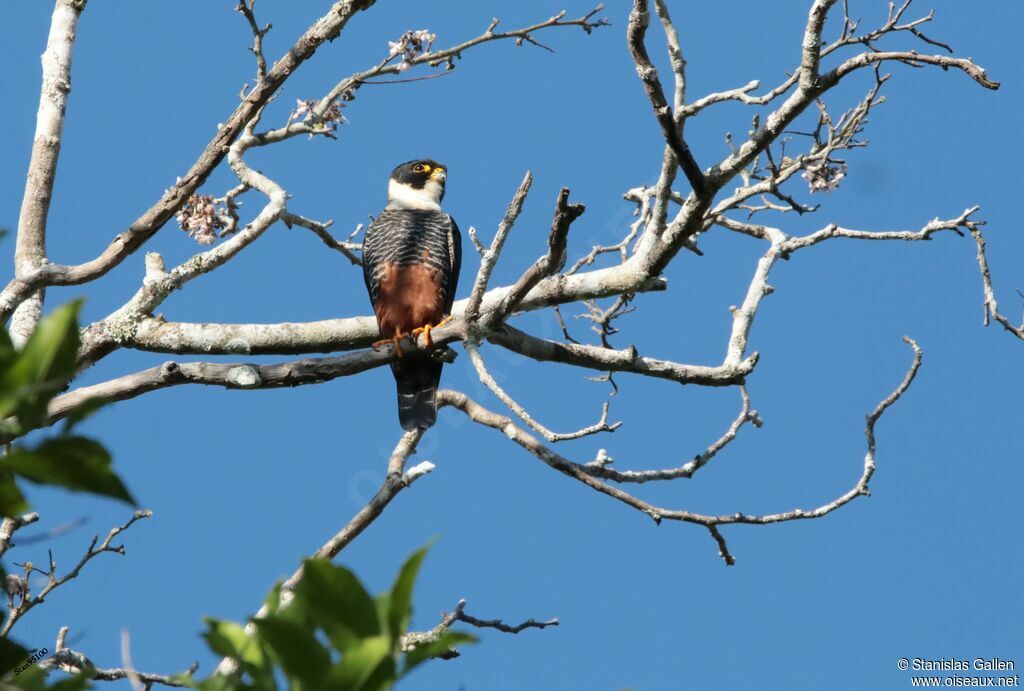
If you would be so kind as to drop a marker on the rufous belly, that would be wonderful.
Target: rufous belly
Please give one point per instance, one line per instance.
(409, 297)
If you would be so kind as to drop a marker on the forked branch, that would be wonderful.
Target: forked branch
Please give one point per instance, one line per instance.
(582, 473)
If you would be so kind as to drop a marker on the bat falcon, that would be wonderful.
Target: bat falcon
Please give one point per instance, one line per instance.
(411, 259)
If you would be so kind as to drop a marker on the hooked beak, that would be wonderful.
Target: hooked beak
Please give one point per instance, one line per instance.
(439, 175)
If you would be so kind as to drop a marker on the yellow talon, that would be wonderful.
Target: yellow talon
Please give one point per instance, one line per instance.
(426, 329)
(396, 341)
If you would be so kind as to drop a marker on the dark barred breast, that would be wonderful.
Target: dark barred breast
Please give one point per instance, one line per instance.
(402, 237)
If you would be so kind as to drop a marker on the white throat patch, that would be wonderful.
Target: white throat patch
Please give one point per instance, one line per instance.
(402, 196)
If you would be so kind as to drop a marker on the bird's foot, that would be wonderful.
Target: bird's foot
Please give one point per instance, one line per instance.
(427, 328)
(395, 341)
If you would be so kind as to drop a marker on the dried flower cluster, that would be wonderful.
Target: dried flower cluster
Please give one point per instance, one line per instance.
(331, 118)
(411, 45)
(15, 585)
(826, 177)
(201, 219)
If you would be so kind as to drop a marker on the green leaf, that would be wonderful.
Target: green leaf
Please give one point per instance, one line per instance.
(382, 603)
(366, 666)
(296, 649)
(228, 639)
(447, 641)
(400, 607)
(75, 683)
(76, 463)
(337, 601)
(32, 679)
(11, 655)
(83, 412)
(7, 351)
(273, 599)
(12, 503)
(214, 683)
(42, 368)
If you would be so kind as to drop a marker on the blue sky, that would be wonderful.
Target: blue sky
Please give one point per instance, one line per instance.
(243, 484)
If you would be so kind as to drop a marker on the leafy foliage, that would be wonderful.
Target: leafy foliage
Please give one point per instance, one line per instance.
(29, 379)
(331, 635)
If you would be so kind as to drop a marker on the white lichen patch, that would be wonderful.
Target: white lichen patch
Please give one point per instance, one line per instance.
(244, 376)
(239, 346)
(123, 327)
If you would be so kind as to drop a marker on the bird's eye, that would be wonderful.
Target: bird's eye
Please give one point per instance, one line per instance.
(419, 168)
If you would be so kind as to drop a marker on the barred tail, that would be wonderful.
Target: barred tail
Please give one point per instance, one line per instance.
(417, 377)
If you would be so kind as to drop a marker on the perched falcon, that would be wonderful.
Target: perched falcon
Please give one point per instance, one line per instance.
(411, 258)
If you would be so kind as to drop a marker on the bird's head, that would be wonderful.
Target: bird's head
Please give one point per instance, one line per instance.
(417, 185)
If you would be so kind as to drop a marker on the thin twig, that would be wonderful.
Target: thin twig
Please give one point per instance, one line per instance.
(28, 601)
(490, 257)
(477, 413)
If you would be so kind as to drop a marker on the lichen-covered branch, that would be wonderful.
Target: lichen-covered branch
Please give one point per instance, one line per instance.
(990, 304)
(73, 662)
(237, 375)
(11, 525)
(639, 19)
(332, 335)
(30, 243)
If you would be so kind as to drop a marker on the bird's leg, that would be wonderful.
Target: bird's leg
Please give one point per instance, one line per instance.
(395, 340)
(426, 328)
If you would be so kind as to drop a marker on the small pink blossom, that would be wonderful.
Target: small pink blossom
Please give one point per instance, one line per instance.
(825, 177)
(201, 219)
(331, 118)
(410, 46)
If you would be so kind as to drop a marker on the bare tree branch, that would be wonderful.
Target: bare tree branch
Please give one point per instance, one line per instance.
(577, 471)
(490, 257)
(30, 244)
(415, 639)
(11, 525)
(397, 479)
(639, 19)
(990, 304)
(911, 57)
(625, 360)
(27, 601)
(488, 381)
(550, 263)
(331, 335)
(73, 662)
(758, 167)
(347, 248)
(246, 8)
(326, 28)
(599, 467)
(238, 375)
(811, 47)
